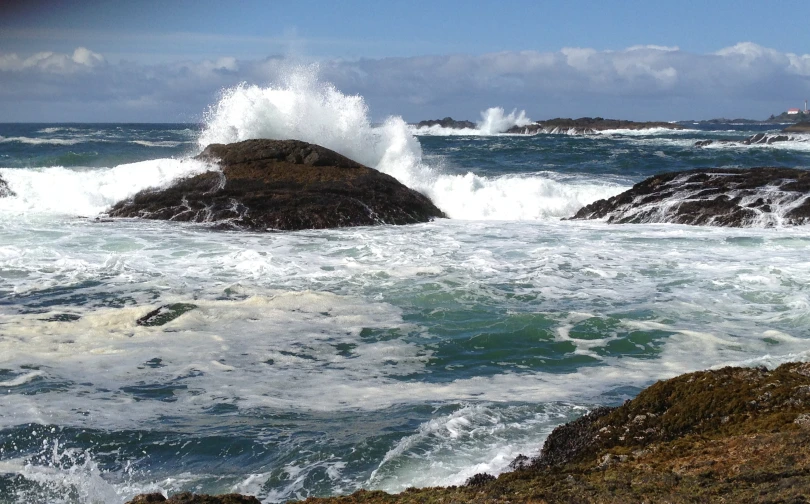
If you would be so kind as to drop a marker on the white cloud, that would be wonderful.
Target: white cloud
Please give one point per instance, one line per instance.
(50, 62)
(641, 82)
(85, 57)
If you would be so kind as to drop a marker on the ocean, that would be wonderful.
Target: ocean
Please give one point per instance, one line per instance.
(321, 362)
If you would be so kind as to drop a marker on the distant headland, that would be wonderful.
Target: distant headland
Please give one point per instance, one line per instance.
(793, 115)
(588, 125)
(559, 125)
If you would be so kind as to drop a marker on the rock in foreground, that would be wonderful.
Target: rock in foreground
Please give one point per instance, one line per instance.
(750, 197)
(190, 498)
(587, 126)
(282, 185)
(728, 435)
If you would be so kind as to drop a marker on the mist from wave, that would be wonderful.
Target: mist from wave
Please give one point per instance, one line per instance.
(494, 121)
(303, 108)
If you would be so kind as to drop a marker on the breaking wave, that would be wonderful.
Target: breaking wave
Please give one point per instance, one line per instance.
(303, 108)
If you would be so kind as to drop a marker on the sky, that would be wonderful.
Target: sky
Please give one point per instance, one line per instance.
(168, 61)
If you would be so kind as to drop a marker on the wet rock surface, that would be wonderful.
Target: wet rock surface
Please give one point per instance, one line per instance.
(190, 498)
(447, 122)
(751, 197)
(165, 314)
(587, 126)
(282, 185)
(727, 435)
(758, 139)
(5, 192)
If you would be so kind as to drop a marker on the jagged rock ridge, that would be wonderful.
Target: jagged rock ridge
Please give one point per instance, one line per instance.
(282, 185)
(761, 197)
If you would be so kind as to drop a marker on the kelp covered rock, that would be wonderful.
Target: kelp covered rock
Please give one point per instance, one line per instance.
(727, 435)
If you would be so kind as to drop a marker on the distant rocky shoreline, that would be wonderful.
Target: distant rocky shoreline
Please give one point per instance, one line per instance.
(447, 122)
(736, 434)
(587, 126)
(581, 126)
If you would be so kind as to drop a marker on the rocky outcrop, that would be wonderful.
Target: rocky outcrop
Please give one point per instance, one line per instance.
(727, 435)
(5, 192)
(282, 185)
(758, 139)
(190, 498)
(447, 122)
(762, 197)
(802, 127)
(586, 126)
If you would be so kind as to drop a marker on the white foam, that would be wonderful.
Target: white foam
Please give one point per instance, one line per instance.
(22, 379)
(515, 197)
(42, 141)
(87, 192)
(305, 109)
(647, 131)
(449, 449)
(163, 143)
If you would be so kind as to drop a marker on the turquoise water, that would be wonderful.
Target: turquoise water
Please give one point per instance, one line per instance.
(320, 362)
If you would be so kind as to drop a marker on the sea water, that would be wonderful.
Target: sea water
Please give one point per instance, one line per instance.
(321, 362)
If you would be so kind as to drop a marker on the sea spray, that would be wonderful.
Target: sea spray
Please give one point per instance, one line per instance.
(494, 121)
(88, 191)
(303, 108)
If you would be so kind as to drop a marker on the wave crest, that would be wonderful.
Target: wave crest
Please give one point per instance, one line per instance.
(303, 108)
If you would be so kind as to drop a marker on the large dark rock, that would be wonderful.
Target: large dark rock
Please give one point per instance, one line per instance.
(716, 197)
(447, 122)
(587, 126)
(282, 185)
(4, 189)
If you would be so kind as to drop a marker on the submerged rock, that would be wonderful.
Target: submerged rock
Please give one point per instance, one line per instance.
(282, 185)
(587, 126)
(716, 197)
(165, 314)
(5, 192)
(447, 122)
